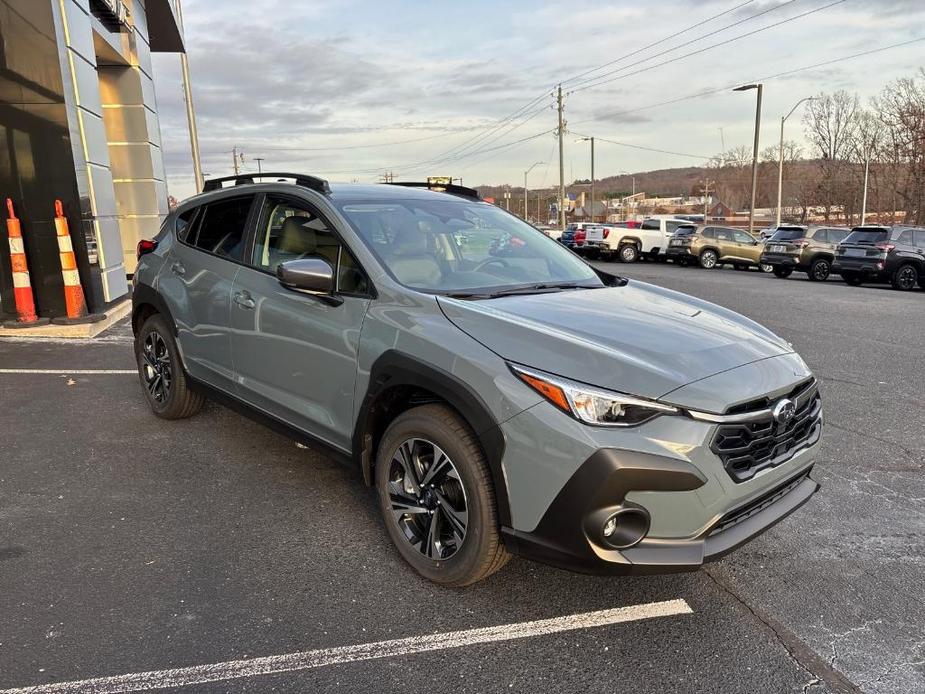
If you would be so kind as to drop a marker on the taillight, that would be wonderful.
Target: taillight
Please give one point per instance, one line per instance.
(800, 243)
(144, 246)
(606, 233)
(884, 247)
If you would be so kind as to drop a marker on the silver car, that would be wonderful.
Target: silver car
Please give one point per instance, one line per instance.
(502, 395)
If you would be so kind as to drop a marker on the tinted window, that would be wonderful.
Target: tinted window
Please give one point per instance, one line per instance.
(671, 227)
(919, 238)
(836, 235)
(905, 237)
(651, 224)
(447, 244)
(789, 234)
(742, 237)
(867, 236)
(185, 222)
(221, 230)
(291, 231)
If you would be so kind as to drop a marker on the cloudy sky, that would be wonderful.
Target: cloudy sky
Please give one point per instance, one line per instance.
(351, 88)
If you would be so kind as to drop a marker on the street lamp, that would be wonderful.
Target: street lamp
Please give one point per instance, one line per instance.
(751, 209)
(780, 163)
(532, 166)
(591, 140)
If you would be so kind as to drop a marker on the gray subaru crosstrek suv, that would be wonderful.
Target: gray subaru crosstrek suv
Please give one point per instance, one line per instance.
(501, 395)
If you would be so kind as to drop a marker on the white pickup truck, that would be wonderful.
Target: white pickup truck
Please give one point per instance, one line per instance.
(649, 239)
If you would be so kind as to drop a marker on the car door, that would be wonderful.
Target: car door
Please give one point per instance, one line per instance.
(747, 247)
(196, 283)
(295, 353)
(919, 244)
(725, 243)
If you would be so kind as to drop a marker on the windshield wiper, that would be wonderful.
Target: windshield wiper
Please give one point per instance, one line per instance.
(541, 288)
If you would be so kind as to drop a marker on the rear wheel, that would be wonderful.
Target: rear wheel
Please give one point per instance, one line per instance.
(162, 378)
(436, 497)
(819, 270)
(782, 271)
(851, 278)
(629, 253)
(708, 259)
(905, 278)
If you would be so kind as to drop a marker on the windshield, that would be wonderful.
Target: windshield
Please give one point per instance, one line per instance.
(867, 236)
(450, 245)
(790, 234)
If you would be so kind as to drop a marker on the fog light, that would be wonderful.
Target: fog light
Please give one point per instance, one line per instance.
(625, 528)
(610, 526)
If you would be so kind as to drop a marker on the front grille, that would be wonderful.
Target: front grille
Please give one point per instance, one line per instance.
(746, 448)
(757, 506)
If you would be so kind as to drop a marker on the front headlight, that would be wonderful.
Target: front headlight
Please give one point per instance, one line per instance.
(591, 405)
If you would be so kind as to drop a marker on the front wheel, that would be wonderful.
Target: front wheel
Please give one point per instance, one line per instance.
(905, 278)
(436, 497)
(629, 253)
(162, 377)
(708, 259)
(819, 270)
(764, 267)
(782, 271)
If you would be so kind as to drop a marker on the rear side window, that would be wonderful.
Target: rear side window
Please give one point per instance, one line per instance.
(222, 228)
(905, 237)
(185, 221)
(709, 233)
(867, 236)
(723, 234)
(919, 238)
(836, 235)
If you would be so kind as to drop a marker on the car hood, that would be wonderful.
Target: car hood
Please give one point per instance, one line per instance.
(637, 339)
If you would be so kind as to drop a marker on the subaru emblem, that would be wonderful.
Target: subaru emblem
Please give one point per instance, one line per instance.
(783, 411)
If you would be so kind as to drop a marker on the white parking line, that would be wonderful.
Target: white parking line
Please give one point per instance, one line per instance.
(69, 372)
(235, 669)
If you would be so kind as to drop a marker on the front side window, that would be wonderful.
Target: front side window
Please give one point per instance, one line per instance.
(222, 228)
(289, 230)
(742, 237)
(448, 244)
(919, 238)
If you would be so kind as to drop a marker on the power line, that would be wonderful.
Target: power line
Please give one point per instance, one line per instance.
(647, 149)
(766, 78)
(657, 42)
(707, 48)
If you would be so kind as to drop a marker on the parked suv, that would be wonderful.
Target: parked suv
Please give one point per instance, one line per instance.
(524, 403)
(882, 254)
(807, 249)
(711, 246)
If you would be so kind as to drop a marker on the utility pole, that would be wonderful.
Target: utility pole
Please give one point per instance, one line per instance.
(234, 159)
(259, 167)
(751, 209)
(591, 139)
(780, 162)
(190, 112)
(561, 204)
(706, 198)
(864, 203)
(526, 203)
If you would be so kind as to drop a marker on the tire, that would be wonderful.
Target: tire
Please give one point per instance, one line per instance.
(905, 277)
(782, 271)
(467, 485)
(851, 279)
(819, 270)
(629, 253)
(163, 380)
(764, 267)
(709, 259)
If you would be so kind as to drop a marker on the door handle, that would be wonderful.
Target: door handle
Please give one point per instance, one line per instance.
(178, 269)
(244, 300)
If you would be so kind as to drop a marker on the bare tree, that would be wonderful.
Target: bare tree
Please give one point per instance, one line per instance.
(830, 124)
(731, 174)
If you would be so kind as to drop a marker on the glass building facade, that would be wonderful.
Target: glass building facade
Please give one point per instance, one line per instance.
(78, 123)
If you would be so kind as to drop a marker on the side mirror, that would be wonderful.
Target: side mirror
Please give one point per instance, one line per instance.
(313, 275)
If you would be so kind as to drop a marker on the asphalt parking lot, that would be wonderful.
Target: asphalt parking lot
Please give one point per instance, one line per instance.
(158, 547)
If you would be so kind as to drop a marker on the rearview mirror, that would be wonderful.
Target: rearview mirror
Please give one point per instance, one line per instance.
(307, 274)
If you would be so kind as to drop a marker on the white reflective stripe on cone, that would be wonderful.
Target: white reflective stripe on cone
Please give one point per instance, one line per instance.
(64, 244)
(71, 278)
(21, 279)
(16, 245)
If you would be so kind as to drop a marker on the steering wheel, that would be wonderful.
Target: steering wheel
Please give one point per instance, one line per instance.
(489, 261)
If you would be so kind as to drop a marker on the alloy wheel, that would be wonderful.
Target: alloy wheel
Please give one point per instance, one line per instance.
(820, 270)
(156, 369)
(764, 267)
(708, 260)
(906, 278)
(428, 499)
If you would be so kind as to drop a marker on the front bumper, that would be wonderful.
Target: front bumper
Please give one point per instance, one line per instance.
(606, 475)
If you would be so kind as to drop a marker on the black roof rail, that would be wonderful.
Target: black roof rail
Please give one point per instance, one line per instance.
(319, 185)
(450, 188)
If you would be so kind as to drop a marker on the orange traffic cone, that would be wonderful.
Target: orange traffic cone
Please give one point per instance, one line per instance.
(22, 286)
(73, 291)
